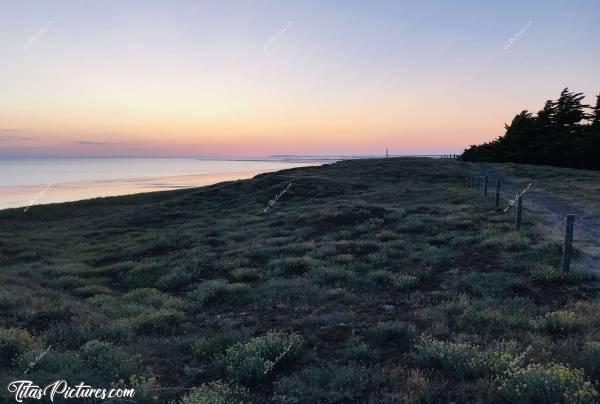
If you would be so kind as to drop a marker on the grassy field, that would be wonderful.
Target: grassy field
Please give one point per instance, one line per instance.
(368, 281)
(578, 186)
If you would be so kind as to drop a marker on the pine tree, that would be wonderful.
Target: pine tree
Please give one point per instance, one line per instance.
(595, 117)
(546, 117)
(570, 110)
(521, 124)
(562, 133)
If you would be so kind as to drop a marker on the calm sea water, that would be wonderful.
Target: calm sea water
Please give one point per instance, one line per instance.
(30, 181)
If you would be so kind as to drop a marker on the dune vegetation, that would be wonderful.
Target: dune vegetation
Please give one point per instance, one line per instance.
(382, 280)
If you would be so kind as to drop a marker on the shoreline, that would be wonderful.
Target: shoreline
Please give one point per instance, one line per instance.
(87, 190)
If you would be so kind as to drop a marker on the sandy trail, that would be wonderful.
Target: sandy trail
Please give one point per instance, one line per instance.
(550, 211)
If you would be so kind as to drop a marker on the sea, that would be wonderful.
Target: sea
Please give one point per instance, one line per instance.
(26, 182)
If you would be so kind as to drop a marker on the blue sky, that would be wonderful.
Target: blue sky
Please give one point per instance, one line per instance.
(193, 77)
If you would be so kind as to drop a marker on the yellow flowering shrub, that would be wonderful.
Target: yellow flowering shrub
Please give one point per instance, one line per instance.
(557, 322)
(552, 383)
(216, 393)
(251, 362)
(14, 343)
(462, 360)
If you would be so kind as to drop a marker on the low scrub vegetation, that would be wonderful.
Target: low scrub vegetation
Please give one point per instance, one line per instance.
(322, 385)
(558, 322)
(552, 383)
(252, 362)
(392, 334)
(13, 344)
(461, 360)
(370, 281)
(216, 393)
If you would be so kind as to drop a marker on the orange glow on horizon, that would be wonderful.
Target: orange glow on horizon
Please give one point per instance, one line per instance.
(159, 81)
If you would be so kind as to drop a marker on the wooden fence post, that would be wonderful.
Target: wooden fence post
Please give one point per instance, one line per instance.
(519, 214)
(565, 262)
(485, 185)
(497, 193)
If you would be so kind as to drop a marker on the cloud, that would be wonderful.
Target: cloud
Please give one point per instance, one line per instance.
(11, 130)
(89, 143)
(14, 135)
(12, 138)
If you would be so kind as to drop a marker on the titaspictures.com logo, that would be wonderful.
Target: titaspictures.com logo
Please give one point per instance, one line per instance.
(26, 389)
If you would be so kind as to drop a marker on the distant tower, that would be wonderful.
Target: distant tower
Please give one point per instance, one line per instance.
(386, 153)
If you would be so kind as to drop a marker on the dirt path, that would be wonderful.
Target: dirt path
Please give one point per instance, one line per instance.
(550, 210)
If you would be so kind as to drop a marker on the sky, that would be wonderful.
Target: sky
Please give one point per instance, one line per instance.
(256, 78)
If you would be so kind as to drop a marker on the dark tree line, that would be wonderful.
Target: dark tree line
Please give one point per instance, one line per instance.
(565, 132)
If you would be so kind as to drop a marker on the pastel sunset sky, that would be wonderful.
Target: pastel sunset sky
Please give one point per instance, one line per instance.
(234, 78)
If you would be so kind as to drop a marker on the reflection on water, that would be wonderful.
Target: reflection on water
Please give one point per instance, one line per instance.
(15, 195)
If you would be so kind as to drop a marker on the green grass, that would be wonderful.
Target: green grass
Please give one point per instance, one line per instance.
(392, 334)
(493, 284)
(579, 186)
(322, 385)
(370, 281)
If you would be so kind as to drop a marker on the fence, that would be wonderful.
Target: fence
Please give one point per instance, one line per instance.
(475, 179)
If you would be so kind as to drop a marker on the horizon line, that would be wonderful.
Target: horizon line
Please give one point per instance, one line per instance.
(231, 157)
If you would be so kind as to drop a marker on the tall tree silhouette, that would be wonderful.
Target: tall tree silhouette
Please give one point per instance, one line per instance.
(559, 134)
(546, 117)
(595, 117)
(569, 109)
(520, 126)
